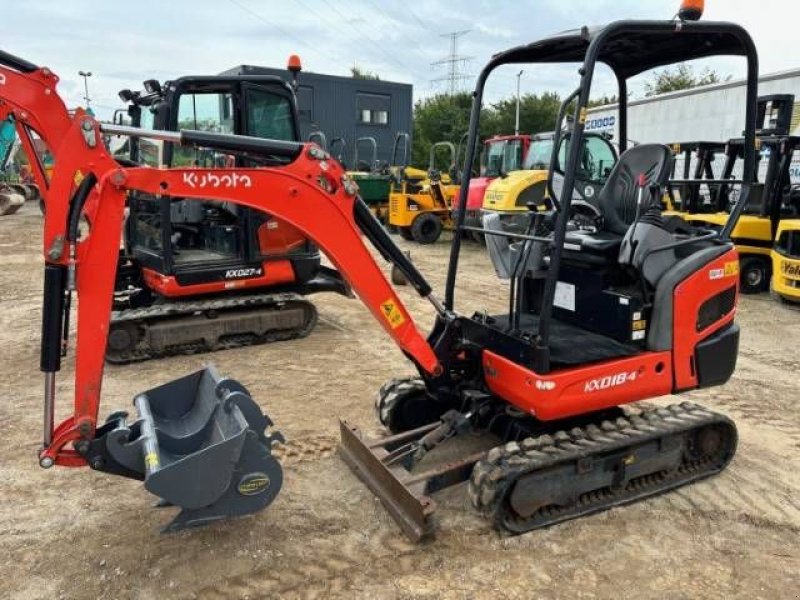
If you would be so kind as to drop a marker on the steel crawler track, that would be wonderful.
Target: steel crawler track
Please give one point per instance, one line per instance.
(201, 326)
(545, 480)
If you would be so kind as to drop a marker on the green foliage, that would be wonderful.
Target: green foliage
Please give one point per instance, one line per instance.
(436, 119)
(537, 113)
(603, 100)
(357, 72)
(679, 77)
(446, 118)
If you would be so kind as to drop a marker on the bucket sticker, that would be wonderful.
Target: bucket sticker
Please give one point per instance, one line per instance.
(151, 460)
(392, 313)
(253, 484)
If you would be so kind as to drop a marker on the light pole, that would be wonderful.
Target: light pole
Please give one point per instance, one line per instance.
(516, 122)
(85, 75)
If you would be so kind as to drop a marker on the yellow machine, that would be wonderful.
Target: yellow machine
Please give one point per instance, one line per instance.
(771, 200)
(786, 261)
(374, 179)
(511, 193)
(420, 209)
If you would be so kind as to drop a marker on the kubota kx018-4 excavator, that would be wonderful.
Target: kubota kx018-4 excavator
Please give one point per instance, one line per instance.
(199, 276)
(599, 317)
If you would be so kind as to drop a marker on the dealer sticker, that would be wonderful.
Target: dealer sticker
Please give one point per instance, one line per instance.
(716, 274)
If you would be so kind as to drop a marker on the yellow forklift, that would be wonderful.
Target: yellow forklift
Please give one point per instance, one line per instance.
(773, 199)
(785, 257)
(420, 209)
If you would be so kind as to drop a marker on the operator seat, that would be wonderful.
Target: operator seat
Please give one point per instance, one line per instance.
(617, 203)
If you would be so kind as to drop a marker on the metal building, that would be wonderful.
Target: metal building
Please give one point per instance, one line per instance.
(349, 108)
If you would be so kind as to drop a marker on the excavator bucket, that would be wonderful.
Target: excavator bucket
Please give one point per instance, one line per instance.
(200, 443)
(11, 200)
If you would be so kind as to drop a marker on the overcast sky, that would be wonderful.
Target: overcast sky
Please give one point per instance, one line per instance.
(123, 43)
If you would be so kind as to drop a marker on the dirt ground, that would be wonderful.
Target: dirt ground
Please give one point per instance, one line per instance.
(78, 534)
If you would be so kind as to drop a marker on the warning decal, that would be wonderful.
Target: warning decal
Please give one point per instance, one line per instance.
(731, 268)
(392, 313)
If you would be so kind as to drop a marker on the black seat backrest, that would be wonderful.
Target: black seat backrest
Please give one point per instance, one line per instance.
(617, 199)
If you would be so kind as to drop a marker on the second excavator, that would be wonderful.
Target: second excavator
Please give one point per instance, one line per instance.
(200, 276)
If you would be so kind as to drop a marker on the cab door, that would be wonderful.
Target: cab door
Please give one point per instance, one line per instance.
(269, 112)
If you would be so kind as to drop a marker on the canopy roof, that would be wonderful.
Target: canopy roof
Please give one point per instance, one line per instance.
(632, 47)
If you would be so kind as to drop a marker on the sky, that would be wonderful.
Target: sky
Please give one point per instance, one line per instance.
(124, 43)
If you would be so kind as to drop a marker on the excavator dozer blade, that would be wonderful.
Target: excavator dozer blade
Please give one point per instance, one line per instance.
(199, 443)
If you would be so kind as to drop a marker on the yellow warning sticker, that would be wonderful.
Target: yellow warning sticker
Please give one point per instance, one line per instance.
(78, 177)
(676, 148)
(392, 313)
(731, 268)
(639, 325)
(582, 116)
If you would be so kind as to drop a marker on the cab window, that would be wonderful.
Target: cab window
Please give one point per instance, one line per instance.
(597, 158)
(212, 112)
(269, 115)
(539, 155)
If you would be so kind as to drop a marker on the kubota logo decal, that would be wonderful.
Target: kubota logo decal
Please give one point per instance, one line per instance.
(239, 273)
(205, 180)
(609, 381)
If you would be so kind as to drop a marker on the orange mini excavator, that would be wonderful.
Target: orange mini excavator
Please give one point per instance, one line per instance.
(602, 314)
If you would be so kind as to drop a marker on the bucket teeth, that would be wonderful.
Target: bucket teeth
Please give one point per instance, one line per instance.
(200, 443)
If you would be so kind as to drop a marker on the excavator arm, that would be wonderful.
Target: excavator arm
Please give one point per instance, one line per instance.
(311, 192)
(201, 423)
(28, 95)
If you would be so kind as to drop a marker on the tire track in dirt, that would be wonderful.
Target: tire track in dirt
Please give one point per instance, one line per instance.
(305, 449)
(745, 492)
(337, 563)
(747, 401)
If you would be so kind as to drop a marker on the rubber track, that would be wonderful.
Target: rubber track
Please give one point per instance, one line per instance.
(494, 476)
(160, 312)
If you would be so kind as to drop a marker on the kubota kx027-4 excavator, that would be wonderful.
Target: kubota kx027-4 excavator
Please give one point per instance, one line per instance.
(199, 276)
(599, 317)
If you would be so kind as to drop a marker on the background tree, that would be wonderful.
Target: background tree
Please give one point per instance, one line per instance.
(603, 100)
(446, 118)
(680, 77)
(357, 72)
(439, 118)
(537, 113)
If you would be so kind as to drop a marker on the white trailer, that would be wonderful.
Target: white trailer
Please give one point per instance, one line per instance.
(711, 112)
